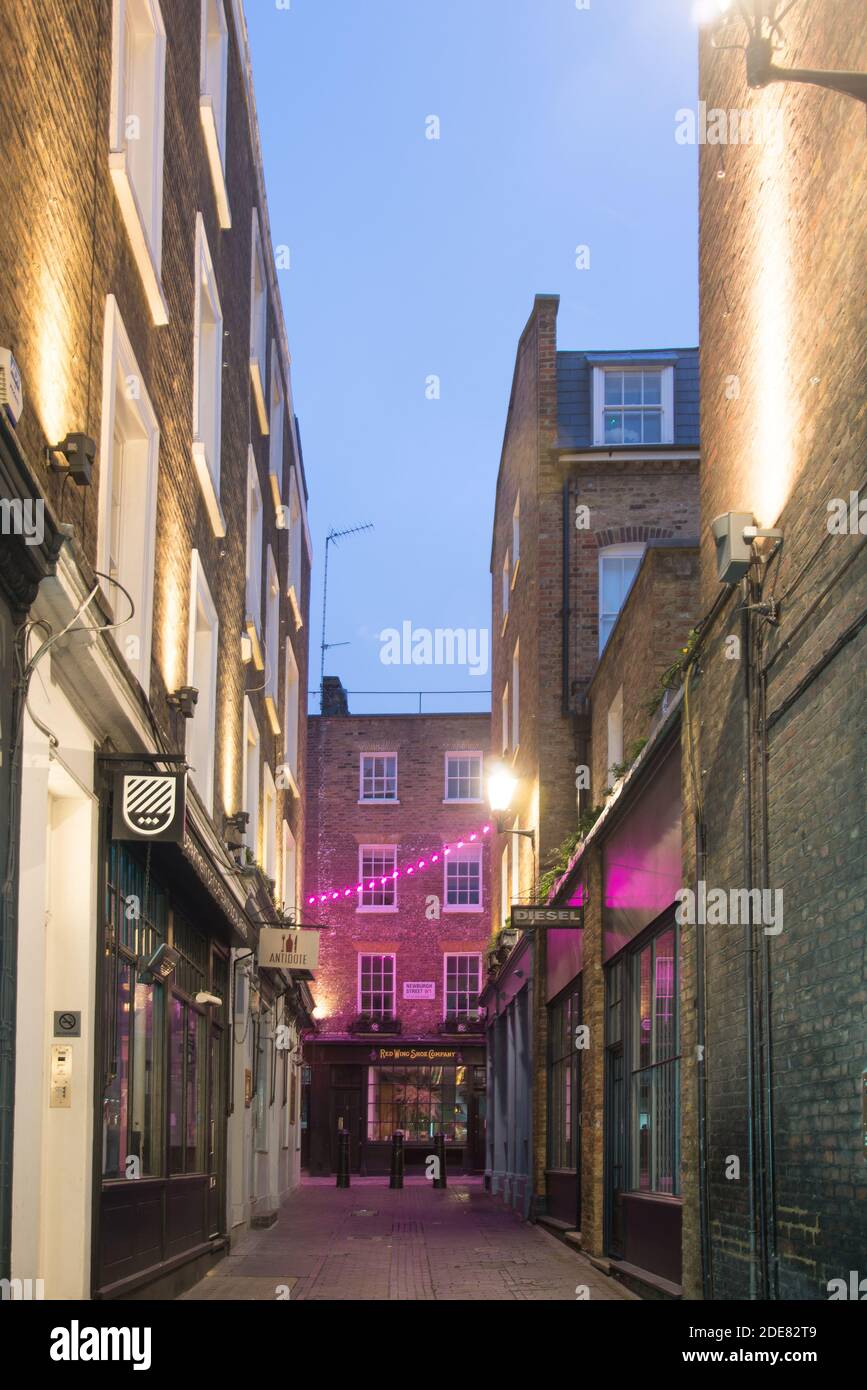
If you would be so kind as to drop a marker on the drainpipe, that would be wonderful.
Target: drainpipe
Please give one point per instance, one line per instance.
(770, 1180)
(753, 1142)
(566, 615)
(703, 1186)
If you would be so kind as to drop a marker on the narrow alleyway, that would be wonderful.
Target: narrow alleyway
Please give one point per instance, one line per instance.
(416, 1244)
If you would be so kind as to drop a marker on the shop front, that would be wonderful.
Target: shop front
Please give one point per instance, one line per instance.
(373, 1091)
(163, 1054)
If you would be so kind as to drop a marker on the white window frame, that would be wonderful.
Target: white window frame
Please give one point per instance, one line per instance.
(615, 732)
(459, 856)
(516, 697)
(290, 870)
(291, 718)
(378, 955)
(296, 541)
(666, 398)
(258, 323)
(207, 402)
(144, 225)
(377, 800)
(269, 824)
(383, 849)
(201, 729)
(272, 639)
(251, 749)
(276, 411)
(616, 552)
(213, 82)
(516, 538)
(504, 710)
(461, 955)
(506, 588)
(254, 559)
(463, 800)
(141, 453)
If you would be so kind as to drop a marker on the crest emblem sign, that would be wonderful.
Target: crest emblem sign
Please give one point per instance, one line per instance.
(149, 806)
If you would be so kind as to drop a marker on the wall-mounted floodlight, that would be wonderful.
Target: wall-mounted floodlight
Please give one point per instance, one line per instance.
(734, 533)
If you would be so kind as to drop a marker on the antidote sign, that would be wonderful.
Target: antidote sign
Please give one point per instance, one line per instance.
(288, 948)
(547, 916)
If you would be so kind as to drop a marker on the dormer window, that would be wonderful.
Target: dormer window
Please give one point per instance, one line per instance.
(633, 405)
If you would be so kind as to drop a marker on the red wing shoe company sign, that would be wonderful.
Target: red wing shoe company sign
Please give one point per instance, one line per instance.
(149, 806)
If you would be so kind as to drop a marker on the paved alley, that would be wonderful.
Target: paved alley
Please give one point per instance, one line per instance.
(417, 1244)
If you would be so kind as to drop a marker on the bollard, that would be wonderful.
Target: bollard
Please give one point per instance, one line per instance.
(396, 1179)
(440, 1152)
(343, 1158)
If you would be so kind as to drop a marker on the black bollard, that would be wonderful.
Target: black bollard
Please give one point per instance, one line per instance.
(396, 1179)
(440, 1154)
(343, 1158)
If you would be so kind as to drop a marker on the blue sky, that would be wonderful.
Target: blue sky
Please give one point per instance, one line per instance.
(413, 257)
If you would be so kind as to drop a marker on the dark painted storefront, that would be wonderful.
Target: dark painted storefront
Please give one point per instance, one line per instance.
(375, 1088)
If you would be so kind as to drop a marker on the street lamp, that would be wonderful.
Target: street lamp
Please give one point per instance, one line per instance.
(763, 19)
(501, 789)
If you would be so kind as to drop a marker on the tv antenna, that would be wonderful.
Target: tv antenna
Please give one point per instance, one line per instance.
(331, 539)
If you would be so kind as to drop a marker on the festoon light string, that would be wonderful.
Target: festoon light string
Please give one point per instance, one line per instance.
(417, 866)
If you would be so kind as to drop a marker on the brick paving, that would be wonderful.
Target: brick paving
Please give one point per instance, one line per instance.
(369, 1243)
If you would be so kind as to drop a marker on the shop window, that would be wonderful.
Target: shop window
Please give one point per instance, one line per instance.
(463, 881)
(263, 1096)
(655, 1067)
(378, 777)
(421, 1101)
(376, 866)
(462, 975)
(376, 985)
(463, 777)
(187, 1077)
(564, 1017)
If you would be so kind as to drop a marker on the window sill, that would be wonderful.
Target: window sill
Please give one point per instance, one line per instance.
(273, 718)
(253, 634)
(463, 907)
(141, 247)
(382, 911)
(296, 607)
(370, 802)
(209, 491)
(215, 160)
(463, 801)
(256, 373)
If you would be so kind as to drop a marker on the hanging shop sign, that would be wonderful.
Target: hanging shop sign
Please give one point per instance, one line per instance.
(547, 916)
(287, 948)
(149, 806)
(415, 1054)
(419, 989)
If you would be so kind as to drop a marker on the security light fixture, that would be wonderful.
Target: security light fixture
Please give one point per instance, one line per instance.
(205, 997)
(184, 700)
(501, 789)
(162, 963)
(74, 456)
(234, 829)
(734, 534)
(763, 21)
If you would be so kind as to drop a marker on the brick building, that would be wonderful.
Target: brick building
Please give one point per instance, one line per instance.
(398, 877)
(597, 498)
(777, 801)
(140, 301)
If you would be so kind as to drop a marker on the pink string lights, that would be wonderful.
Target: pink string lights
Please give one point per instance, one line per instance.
(417, 866)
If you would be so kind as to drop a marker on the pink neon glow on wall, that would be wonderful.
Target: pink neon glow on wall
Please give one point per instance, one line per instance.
(334, 893)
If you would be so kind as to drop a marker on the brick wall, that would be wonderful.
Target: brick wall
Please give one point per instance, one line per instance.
(66, 249)
(419, 825)
(783, 286)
